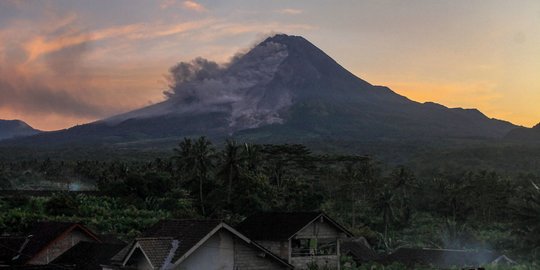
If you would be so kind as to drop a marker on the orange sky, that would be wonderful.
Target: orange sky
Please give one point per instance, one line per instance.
(66, 62)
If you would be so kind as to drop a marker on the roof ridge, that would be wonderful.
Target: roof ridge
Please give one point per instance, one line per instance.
(155, 238)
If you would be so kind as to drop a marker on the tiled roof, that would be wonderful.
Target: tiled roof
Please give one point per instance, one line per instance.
(188, 232)
(88, 255)
(169, 240)
(157, 249)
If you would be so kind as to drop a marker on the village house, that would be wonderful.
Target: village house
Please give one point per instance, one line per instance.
(43, 243)
(195, 244)
(300, 238)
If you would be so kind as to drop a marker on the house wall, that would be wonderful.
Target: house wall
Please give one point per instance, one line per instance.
(137, 261)
(319, 229)
(216, 253)
(59, 246)
(280, 248)
(330, 262)
(247, 257)
(224, 251)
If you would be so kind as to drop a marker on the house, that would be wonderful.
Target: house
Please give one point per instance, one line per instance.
(43, 243)
(445, 258)
(300, 238)
(195, 244)
(88, 255)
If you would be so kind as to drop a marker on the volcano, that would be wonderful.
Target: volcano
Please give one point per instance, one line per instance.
(285, 89)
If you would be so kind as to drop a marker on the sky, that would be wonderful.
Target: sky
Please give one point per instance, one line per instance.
(69, 62)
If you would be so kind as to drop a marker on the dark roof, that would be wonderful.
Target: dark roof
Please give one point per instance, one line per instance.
(42, 234)
(158, 249)
(88, 255)
(9, 247)
(280, 225)
(38, 267)
(177, 237)
(111, 239)
(358, 251)
(442, 258)
(190, 232)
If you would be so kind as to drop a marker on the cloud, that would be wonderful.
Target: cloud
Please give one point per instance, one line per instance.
(35, 95)
(192, 5)
(44, 44)
(290, 11)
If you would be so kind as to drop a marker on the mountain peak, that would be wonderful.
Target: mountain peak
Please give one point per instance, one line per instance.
(15, 128)
(287, 40)
(285, 87)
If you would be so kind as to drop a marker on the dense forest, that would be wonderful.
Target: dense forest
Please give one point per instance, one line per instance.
(392, 206)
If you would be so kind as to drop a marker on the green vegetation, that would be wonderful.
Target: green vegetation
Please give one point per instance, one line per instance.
(391, 206)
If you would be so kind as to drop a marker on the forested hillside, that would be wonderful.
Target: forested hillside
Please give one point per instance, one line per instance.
(392, 206)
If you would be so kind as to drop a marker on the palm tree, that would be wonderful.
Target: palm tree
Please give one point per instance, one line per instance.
(184, 157)
(231, 165)
(196, 160)
(385, 206)
(252, 157)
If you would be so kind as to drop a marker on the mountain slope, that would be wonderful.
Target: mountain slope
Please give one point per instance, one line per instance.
(524, 134)
(15, 128)
(285, 89)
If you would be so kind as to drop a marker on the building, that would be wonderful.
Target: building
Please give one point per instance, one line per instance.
(300, 238)
(195, 244)
(43, 243)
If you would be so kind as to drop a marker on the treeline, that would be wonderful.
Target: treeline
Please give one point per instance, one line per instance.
(391, 207)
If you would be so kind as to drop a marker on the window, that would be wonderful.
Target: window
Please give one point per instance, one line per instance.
(313, 247)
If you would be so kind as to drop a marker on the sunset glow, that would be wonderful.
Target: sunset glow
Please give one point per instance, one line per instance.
(64, 63)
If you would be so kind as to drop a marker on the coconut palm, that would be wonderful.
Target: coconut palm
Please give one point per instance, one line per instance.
(232, 158)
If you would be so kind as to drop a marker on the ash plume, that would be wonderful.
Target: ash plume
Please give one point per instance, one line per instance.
(234, 88)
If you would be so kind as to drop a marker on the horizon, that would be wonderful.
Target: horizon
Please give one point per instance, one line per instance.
(73, 63)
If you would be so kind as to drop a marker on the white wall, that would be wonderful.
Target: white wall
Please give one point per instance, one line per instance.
(217, 253)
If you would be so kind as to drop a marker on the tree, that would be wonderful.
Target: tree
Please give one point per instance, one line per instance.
(196, 161)
(385, 207)
(231, 160)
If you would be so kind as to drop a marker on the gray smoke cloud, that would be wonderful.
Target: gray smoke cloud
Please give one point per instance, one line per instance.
(236, 88)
